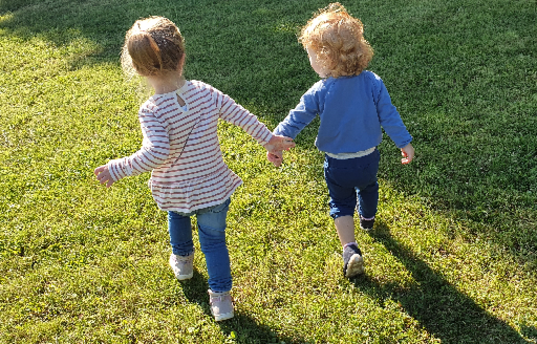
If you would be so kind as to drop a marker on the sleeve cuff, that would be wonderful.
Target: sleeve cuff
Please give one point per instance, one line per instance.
(117, 169)
(404, 143)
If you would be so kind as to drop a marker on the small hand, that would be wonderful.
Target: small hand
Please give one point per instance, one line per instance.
(408, 153)
(279, 143)
(104, 176)
(276, 158)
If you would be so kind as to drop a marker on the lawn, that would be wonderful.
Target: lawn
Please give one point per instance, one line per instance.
(453, 257)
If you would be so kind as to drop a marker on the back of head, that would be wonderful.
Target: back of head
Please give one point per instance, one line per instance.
(337, 39)
(153, 47)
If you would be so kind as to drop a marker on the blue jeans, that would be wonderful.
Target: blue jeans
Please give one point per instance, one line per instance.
(348, 178)
(211, 231)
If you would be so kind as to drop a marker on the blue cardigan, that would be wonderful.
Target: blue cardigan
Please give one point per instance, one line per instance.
(352, 111)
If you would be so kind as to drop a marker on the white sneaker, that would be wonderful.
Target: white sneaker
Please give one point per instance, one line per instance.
(221, 305)
(183, 267)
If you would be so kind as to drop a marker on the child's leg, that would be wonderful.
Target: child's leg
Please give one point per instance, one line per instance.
(339, 176)
(211, 228)
(368, 200)
(368, 189)
(343, 177)
(182, 257)
(367, 208)
(368, 193)
(345, 229)
(180, 231)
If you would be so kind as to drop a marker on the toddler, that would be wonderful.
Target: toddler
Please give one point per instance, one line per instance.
(181, 149)
(353, 105)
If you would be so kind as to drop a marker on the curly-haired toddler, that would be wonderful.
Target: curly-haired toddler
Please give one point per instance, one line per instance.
(353, 105)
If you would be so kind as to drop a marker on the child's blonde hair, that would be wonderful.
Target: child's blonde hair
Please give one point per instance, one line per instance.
(153, 47)
(337, 39)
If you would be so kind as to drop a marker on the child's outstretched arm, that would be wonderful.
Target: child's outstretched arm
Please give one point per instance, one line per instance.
(296, 120)
(237, 115)
(153, 153)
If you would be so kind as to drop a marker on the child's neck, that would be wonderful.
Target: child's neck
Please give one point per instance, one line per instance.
(167, 83)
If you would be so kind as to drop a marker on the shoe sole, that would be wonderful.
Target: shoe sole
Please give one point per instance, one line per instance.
(355, 266)
(184, 277)
(223, 317)
(366, 229)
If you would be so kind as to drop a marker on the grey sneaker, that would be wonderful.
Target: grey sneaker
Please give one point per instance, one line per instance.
(183, 267)
(221, 305)
(353, 262)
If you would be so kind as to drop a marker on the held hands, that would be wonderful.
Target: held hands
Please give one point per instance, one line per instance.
(279, 143)
(408, 153)
(275, 148)
(103, 175)
(276, 158)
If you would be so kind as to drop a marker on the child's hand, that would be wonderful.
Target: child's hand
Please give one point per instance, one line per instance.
(103, 175)
(276, 158)
(408, 153)
(279, 143)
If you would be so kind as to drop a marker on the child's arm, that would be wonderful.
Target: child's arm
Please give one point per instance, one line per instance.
(154, 152)
(298, 119)
(235, 114)
(391, 122)
(300, 116)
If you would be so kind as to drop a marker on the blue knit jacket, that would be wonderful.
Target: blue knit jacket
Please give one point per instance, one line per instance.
(352, 111)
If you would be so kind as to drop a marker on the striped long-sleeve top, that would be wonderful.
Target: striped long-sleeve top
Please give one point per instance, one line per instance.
(181, 148)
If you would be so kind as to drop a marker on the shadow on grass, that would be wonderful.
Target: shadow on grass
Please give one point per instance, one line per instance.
(246, 330)
(436, 304)
(530, 332)
(231, 45)
(66, 22)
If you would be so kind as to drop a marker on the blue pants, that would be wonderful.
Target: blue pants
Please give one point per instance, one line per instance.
(211, 231)
(346, 179)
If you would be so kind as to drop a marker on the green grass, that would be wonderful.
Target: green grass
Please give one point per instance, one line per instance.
(454, 253)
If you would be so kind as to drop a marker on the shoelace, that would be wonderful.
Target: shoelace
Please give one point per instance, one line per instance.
(183, 259)
(219, 298)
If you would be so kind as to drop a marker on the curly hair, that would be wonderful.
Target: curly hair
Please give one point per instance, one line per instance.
(337, 40)
(153, 47)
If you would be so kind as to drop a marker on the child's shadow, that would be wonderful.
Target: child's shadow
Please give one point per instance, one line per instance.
(246, 329)
(530, 332)
(436, 304)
